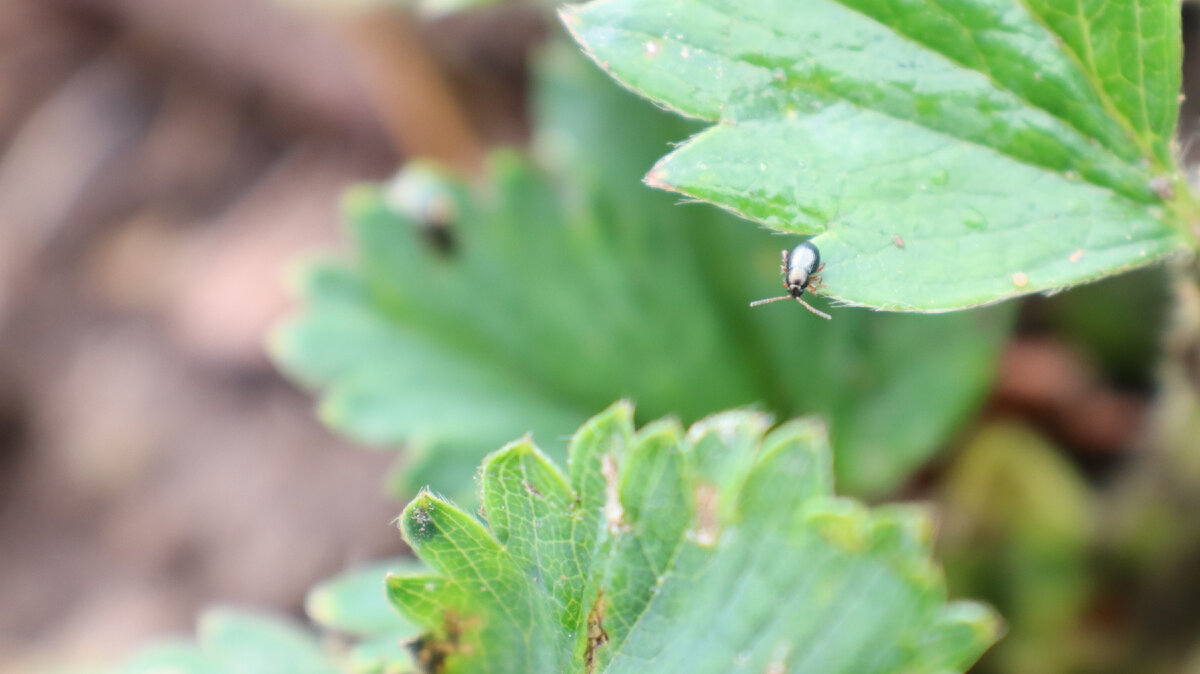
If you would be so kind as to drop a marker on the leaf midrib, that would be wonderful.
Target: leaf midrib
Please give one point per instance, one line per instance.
(1087, 68)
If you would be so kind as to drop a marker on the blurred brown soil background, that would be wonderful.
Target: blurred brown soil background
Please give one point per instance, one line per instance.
(161, 163)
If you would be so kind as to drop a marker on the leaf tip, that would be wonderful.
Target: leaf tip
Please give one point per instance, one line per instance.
(810, 433)
(517, 449)
(657, 178)
(809, 430)
(391, 581)
(569, 15)
(842, 522)
(981, 621)
(617, 418)
(921, 573)
(320, 605)
(329, 411)
(729, 425)
(909, 526)
(417, 522)
(397, 588)
(622, 410)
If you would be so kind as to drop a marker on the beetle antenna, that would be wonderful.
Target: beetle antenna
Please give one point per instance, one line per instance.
(768, 301)
(808, 306)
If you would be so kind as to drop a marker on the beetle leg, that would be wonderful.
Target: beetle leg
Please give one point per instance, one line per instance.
(814, 279)
(769, 300)
(808, 306)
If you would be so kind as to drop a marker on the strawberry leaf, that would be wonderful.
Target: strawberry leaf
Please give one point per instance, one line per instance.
(718, 549)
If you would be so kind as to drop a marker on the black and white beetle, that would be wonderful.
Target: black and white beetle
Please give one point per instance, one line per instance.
(800, 270)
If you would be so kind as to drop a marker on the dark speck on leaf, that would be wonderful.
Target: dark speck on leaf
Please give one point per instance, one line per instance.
(420, 524)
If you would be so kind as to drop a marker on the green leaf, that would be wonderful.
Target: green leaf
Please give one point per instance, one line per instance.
(381, 655)
(233, 642)
(425, 357)
(352, 602)
(944, 155)
(717, 549)
(237, 642)
(562, 293)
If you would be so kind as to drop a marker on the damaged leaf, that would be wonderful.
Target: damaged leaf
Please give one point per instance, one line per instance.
(717, 549)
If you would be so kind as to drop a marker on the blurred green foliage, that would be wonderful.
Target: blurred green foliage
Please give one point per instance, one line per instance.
(469, 316)
(1018, 521)
(352, 602)
(363, 635)
(229, 641)
(354, 605)
(1117, 324)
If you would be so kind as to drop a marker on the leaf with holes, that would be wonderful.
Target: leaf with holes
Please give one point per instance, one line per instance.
(1012, 147)
(718, 549)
